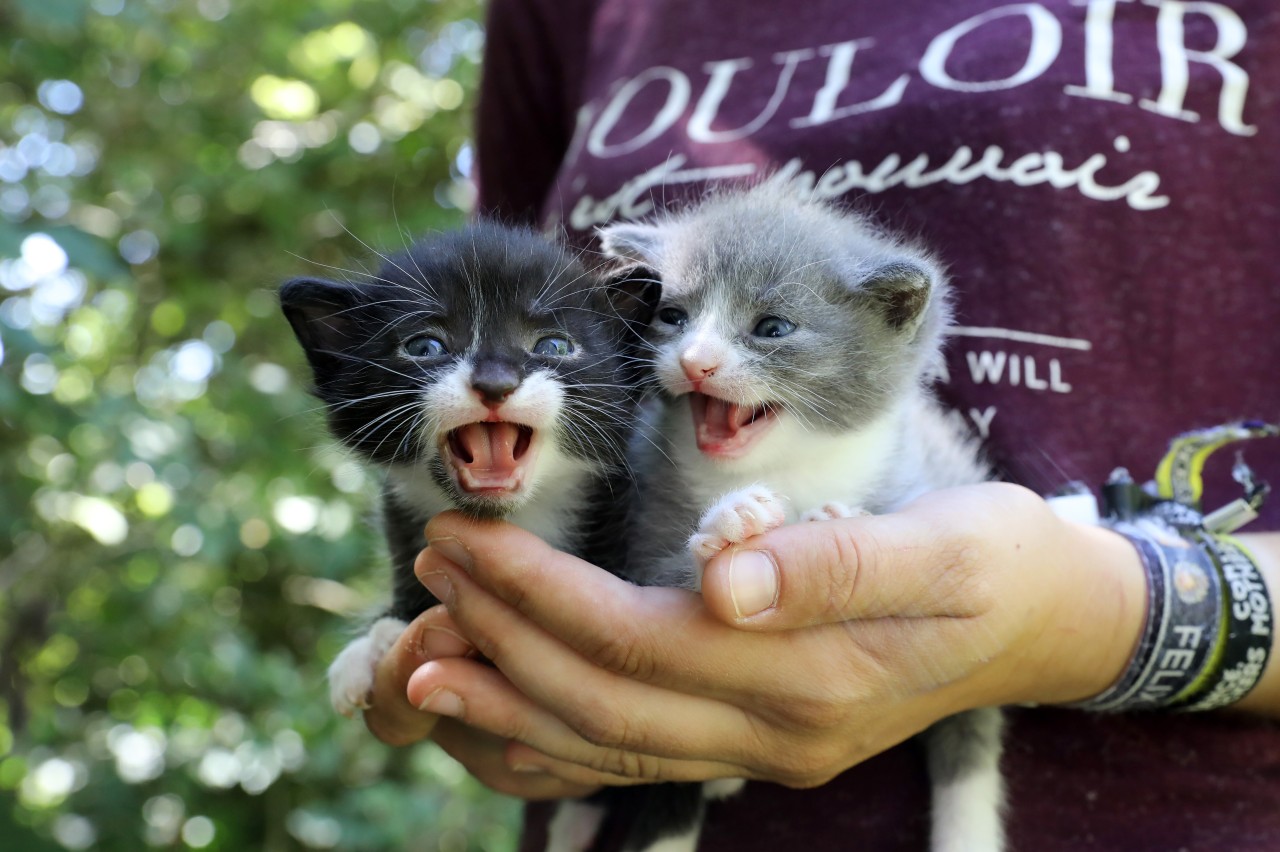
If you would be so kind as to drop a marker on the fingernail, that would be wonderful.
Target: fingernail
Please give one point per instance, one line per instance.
(442, 702)
(439, 585)
(527, 769)
(453, 550)
(440, 642)
(753, 582)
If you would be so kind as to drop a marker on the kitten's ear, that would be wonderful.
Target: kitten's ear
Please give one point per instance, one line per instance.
(902, 291)
(634, 241)
(632, 294)
(320, 313)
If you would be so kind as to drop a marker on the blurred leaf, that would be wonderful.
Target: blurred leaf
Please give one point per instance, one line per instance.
(161, 668)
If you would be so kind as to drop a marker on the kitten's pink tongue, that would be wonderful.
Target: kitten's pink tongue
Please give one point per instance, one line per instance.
(487, 455)
(725, 429)
(722, 419)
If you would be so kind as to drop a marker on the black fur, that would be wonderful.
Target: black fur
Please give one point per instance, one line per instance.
(484, 292)
(511, 285)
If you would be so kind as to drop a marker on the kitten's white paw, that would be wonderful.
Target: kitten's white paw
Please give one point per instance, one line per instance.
(736, 517)
(832, 511)
(351, 672)
(722, 788)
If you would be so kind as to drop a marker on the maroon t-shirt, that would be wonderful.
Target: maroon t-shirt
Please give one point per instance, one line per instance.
(1102, 178)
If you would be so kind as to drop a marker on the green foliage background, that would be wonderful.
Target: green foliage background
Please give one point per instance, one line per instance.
(181, 550)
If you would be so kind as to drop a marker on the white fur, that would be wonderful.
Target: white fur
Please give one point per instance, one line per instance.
(558, 472)
(574, 825)
(351, 673)
(907, 448)
(734, 518)
(536, 403)
(966, 813)
(687, 842)
(810, 468)
(722, 788)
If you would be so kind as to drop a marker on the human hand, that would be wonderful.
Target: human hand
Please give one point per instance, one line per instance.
(394, 720)
(877, 628)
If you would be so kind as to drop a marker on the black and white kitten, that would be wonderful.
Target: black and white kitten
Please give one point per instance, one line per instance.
(485, 370)
(794, 347)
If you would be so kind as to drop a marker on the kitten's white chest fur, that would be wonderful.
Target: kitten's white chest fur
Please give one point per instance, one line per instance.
(808, 468)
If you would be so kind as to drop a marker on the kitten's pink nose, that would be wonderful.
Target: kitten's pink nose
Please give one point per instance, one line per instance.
(699, 364)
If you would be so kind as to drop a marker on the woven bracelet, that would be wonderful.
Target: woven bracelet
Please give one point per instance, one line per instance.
(1209, 621)
(1183, 625)
(1248, 622)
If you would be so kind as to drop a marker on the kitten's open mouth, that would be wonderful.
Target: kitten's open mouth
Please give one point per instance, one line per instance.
(726, 429)
(490, 458)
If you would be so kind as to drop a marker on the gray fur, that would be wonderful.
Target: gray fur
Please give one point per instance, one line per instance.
(870, 310)
(856, 357)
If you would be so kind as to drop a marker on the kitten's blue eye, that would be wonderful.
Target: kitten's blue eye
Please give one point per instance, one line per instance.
(424, 346)
(673, 316)
(553, 347)
(773, 327)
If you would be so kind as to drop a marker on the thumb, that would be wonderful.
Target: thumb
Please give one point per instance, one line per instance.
(917, 563)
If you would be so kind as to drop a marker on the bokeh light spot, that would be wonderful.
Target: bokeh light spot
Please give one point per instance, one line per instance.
(198, 832)
(292, 100)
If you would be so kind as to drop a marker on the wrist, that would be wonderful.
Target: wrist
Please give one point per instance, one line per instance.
(1095, 618)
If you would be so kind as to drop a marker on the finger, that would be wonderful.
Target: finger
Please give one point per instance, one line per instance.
(390, 717)
(522, 755)
(482, 698)
(608, 710)
(918, 563)
(484, 756)
(635, 632)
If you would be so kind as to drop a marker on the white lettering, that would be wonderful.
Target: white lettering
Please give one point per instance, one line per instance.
(1056, 384)
(722, 74)
(1139, 192)
(1099, 77)
(839, 72)
(632, 199)
(985, 366)
(674, 107)
(1188, 635)
(1046, 41)
(1175, 59)
(982, 419)
(1030, 379)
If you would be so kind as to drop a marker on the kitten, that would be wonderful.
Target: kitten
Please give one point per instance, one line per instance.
(485, 370)
(793, 347)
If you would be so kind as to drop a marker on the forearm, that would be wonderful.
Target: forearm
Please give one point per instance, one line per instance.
(1092, 628)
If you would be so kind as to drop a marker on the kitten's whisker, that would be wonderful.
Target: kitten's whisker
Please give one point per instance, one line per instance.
(382, 418)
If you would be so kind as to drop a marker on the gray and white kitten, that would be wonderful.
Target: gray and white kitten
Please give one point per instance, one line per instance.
(794, 346)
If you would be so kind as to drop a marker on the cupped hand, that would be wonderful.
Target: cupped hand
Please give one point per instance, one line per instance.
(810, 649)
(392, 718)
